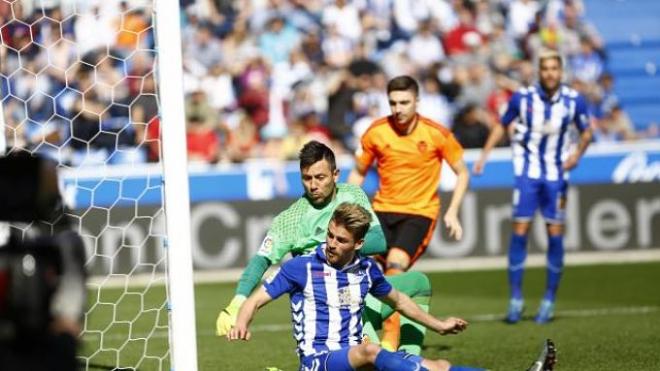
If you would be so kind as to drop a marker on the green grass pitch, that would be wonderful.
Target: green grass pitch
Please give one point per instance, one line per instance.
(608, 318)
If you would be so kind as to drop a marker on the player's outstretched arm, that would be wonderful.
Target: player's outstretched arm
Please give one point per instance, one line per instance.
(451, 220)
(496, 134)
(246, 313)
(403, 304)
(585, 139)
(250, 279)
(356, 177)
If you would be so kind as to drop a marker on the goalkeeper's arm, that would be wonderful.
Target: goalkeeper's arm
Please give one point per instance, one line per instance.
(250, 279)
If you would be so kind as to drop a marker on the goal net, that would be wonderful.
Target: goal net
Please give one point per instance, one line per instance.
(79, 82)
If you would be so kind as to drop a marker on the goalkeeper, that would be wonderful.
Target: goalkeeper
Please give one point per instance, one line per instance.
(302, 226)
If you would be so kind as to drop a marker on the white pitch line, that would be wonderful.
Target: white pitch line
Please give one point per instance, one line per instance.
(489, 317)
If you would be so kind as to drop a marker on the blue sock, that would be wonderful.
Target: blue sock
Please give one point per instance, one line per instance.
(465, 368)
(517, 255)
(555, 266)
(390, 361)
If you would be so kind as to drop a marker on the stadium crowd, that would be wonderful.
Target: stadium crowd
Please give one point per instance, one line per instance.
(262, 77)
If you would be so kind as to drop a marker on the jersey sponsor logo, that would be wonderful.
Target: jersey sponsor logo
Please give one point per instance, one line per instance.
(266, 246)
(321, 274)
(548, 128)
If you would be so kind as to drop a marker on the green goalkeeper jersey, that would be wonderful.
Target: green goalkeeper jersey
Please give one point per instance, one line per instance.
(301, 227)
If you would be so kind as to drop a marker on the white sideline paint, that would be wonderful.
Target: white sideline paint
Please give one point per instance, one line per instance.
(427, 266)
(488, 317)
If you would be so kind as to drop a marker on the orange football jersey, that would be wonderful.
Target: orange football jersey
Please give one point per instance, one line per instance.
(408, 165)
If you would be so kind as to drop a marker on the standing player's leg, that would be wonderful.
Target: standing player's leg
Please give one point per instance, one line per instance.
(418, 287)
(553, 206)
(525, 202)
(409, 236)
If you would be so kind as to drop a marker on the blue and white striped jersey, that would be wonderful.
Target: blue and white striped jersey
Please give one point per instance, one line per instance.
(541, 138)
(326, 303)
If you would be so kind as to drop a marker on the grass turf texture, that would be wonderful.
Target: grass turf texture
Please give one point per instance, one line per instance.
(608, 318)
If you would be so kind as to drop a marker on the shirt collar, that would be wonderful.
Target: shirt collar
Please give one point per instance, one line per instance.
(544, 96)
(320, 254)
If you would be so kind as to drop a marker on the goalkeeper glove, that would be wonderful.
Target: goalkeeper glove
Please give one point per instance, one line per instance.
(227, 317)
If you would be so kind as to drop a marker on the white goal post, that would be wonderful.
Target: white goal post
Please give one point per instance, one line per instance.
(183, 343)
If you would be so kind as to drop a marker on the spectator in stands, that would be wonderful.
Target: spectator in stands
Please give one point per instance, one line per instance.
(344, 16)
(131, 29)
(254, 93)
(144, 116)
(459, 38)
(279, 40)
(276, 60)
(521, 16)
(337, 48)
(614, 126)
(204, 50)
(240, 44)
(197, 105)
(587, 65)
(103, 35)
(478, 85)
(218, 87)
(243, 139)
(432, 103)
(425, 47)
(203, 142)
(140, 65)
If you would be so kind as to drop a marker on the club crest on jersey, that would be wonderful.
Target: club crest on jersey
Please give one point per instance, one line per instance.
(345, 297)
(422, 146)
(266, 246)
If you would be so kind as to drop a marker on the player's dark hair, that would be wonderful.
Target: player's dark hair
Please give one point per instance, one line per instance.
(313, 152)
(354, 218)
(403, 83)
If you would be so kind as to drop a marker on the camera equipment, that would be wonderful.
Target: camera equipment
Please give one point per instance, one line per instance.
(28, 189)
(42, 277)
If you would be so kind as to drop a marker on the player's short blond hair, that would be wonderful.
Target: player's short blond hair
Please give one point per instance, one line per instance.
(354, 218)
(550, 54)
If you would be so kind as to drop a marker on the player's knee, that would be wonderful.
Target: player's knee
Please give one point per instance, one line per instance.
(398, 255)
(369, 352)
(555, 230)
(421, 283)
(520, 228)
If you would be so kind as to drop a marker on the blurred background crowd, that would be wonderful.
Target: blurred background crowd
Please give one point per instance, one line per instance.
(261, 77)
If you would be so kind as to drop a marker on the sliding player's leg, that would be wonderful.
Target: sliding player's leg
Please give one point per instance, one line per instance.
(384, 360)
(409, 237)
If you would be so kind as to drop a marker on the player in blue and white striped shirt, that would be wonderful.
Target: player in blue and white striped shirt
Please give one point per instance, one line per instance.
(542, 116)
(327, 289)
